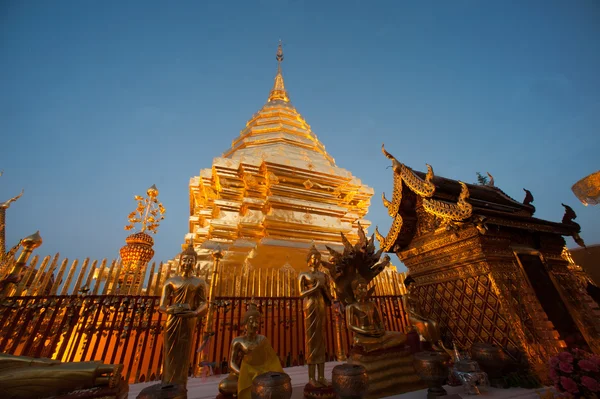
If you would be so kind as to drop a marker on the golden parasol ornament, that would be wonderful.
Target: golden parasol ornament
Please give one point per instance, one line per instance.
(587, 190)
(149, 212)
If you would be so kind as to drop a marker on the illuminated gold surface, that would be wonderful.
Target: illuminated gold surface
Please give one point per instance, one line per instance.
(587, 190)
(138, 251)
(469, 279)
(427, 328)
(275, 191)
(447, 212)
(365, 322)
(8, 285)
(314, 288)
(149, 212)
(382, 353)
(184, 301)
(23, 377)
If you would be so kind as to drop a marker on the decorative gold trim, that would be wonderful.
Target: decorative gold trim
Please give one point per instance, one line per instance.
(386, 243)
(456, 212)
(424, 188)
(394, 205)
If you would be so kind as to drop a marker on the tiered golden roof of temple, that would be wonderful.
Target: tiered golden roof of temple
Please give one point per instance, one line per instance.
(276, 190)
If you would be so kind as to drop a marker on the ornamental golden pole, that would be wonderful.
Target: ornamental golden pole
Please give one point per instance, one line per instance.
(337, 314)
(208, 328)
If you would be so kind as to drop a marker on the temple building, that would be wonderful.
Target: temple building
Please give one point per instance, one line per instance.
(274, 192)
(487, 270)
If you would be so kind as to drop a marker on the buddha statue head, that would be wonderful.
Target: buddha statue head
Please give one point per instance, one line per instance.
(251, 320)
(187, 260)
(313, 258)
(360, 289)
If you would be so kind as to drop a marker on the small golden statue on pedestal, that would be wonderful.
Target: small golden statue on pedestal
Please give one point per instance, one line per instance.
(384, 354)
(250, 356)
(428, 329)
(314, 288)
(187, 295)
(365, 322)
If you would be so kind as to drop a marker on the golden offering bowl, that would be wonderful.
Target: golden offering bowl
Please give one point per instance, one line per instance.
(432, 367)
(350, 381)
(272, 385)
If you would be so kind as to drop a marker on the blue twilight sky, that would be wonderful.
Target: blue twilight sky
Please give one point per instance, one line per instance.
(101, 99)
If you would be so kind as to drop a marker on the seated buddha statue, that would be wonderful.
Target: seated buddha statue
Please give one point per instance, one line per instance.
(365, 321)
(427, 328)
(23, 377)
(256, 354)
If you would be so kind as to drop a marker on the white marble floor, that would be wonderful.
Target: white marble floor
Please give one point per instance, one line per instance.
(205, 388)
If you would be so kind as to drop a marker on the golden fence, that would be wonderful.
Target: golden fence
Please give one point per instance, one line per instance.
(82, 311)
(126, 329)
(111, 278)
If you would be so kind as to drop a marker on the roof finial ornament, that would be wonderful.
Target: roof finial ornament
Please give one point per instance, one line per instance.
(279, 56)
(278, 92)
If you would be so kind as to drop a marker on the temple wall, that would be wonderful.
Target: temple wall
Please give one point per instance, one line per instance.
(473, 286)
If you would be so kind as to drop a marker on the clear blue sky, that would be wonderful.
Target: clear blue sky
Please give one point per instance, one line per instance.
(101, 99)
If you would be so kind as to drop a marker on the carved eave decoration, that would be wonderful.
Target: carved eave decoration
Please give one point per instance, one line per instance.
(451, 204)
(407, 186)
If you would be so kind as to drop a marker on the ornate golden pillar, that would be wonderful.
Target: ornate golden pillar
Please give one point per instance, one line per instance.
(138, 252)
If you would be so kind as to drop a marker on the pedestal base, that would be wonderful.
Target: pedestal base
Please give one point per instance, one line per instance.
(436, 392)
(312, 392)
(160, 391)
(390, 371)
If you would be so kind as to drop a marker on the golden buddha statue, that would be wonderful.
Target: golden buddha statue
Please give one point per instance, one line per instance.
(364, 320)
(256, 354)
(187, 297)
(23, 377)
(428, 329)
(315, 293)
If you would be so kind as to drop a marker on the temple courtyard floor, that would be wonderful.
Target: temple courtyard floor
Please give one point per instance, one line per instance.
(207, 387)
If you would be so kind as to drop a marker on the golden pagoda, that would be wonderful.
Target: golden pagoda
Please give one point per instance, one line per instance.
(273, 193)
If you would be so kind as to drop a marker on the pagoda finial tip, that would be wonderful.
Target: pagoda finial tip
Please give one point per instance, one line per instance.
(279, 55)
(278, 92)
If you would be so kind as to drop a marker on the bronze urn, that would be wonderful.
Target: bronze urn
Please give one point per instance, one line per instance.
(490, 357)
(271, 385)
(350, 381)
(432, 367)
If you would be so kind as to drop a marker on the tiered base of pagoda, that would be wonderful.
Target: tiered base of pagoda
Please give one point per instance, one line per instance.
(390, 371)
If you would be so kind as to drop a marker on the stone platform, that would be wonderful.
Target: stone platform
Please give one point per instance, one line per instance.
(390, 371)
(207, 388)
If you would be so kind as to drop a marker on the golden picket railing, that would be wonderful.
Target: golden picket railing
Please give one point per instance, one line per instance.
(79, 311)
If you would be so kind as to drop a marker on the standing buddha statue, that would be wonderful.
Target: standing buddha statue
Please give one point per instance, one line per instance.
(187, 295)
(250, 356)
(315, 293)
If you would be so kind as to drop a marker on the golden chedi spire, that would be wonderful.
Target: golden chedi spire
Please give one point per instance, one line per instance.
(137, 251)
(278, 92)
(274, 192)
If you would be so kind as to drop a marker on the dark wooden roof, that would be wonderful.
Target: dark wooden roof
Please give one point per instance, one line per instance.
(496, 205)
